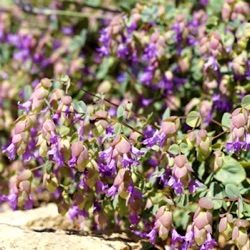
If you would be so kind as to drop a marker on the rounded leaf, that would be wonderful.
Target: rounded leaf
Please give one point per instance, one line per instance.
(232, 191)
(206, 203)
(193, 119)
(226, 121)
(245, 103)
(231, 172)
(174, 149)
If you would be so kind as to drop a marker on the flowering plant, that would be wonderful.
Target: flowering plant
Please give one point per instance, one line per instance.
(161, 148)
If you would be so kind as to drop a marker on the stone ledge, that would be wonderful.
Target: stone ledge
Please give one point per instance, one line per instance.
(36, 230)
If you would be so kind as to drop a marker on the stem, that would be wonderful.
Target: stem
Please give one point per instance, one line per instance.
(197, 177)
(36, 168)
(106, 100)
(93, 6)
(218, 123)
(133, 129)
(49, 12)
(220, 134)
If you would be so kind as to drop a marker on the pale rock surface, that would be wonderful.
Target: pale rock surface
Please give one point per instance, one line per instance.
(44, 229)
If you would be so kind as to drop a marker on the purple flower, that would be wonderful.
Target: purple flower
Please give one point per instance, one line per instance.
(103, 51)
(74, 212)
(10, 150)
(106, 154)
(210, 243)
(122, 51)
(165, 176)
(72, 161)
(178, 37)
(134, 194)
(176, 238)
(109, 133)
(13, 200)
(147, 77)
(221, 103)
(204, 2)
(157, 138)
(22, 55)
(128, 162)
(57, 156)
(152, 235)
(150, 52)
(192, 186)
(176, 185)
(67, 30)
(212, 62)
(27, 155)
(235, 146)
(28, 204)
(100, 187)
(26, 106)
(112, 191)
(109, 168)
(132, 27)
(12, 39)
(192, 40)
(105, 41)
(56, 118)
(146, 102)
(134, 218)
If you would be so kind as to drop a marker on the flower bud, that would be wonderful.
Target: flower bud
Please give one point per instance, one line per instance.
(67, 100)
(46, 83)
(101, 219)
(240, 237)
(163, 223)
(170, 125)
(226, 226)
(25, 186)
(24, 175)
(123, 146)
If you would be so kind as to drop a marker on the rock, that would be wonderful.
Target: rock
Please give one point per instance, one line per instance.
(44, 229)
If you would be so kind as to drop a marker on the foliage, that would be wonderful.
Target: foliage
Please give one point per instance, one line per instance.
(144, 126)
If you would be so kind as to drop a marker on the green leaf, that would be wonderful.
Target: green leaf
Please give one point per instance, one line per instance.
(246, 209)
(166, 114)
(228, 39)
(48, 167)
(232, 191)
(214, 6)
(212, 22)
(27, 92)
(149, 14)
(245, 103)
(65, 81)
(78, 42)
(226, 121)
(240, 206)
(104, 67)
(122, 207)
(63, 130)
(193, 119)
(80, 106)
(184, 148)
(216, 191)
(120, 112)
(184, 215)
(118, 128)
(115, 202)
(201, 170)
(231, 172)
(216, 146)
(174, 149)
